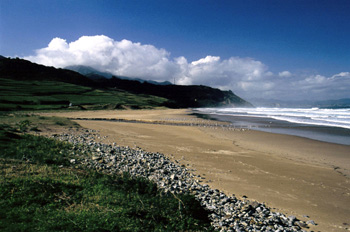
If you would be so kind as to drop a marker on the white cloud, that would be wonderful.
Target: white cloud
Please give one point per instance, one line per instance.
(103, 53)
(341, 75)
(246, 77)
(224, 74)
(320, 87)
(57, 44)
(285, 74)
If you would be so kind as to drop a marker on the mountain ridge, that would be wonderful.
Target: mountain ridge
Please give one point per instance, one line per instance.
(178, 96)
(92, 73)
(20, 69)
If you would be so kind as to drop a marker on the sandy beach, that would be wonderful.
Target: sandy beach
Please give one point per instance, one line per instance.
(294, 175)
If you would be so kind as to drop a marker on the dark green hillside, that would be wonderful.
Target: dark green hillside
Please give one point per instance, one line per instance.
(179, 95)
(47, 95)
(19, 69)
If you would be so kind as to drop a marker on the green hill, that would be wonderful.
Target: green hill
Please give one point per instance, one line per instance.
(180, 96)
(47, 95)
(19, 69)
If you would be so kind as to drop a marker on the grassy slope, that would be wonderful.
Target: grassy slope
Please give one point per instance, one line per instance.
(38, 194)
(47, 95)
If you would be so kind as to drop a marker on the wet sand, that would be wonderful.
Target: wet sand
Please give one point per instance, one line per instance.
(321, 133)
(297, 176)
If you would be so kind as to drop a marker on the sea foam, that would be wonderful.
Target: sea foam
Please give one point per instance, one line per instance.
(309, 116)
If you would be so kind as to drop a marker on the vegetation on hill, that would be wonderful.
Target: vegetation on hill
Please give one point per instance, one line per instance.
(19, 69)
(180, 96)
(48, 95)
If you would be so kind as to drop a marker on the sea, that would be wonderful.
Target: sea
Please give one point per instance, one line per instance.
(323, 124)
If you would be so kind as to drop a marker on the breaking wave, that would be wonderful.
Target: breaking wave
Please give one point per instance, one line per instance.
(309, 116)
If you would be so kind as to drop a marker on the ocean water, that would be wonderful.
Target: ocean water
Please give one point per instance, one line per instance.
(330, 125)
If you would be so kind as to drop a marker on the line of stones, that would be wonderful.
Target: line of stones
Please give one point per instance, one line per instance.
(227, 213)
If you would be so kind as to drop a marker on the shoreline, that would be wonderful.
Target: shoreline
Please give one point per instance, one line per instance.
(295, 175)
(328, 134)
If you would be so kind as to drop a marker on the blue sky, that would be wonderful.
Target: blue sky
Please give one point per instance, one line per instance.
(306, 41)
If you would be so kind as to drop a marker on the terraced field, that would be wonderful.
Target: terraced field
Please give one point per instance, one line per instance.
(48, 95)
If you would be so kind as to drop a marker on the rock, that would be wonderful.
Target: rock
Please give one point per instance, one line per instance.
(301, 224)
(254, 204)
(95, 158)
(311, 222)
(110, 164)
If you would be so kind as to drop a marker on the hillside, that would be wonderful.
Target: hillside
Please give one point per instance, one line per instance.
(23, 70)
(48, 95)
(180, 96)
(37, 85)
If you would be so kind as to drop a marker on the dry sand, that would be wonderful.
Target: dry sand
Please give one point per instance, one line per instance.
(297, 176)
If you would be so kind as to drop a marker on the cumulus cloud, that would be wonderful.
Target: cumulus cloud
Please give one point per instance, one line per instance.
(322, 87)
(247, 77)
(123, 58)
(225, 74)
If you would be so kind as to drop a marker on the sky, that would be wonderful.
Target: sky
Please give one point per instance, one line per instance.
(271, 49)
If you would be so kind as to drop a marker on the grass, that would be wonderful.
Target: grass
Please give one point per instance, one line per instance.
(25, 122)
(37, 193)
(33, 149)
(53, 95)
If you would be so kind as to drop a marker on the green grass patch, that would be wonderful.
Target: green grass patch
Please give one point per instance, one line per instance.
(44, 196)
(34, 149)
(25, 122)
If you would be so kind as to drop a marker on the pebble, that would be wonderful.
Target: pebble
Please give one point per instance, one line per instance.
(227, 213)
(311, 222)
